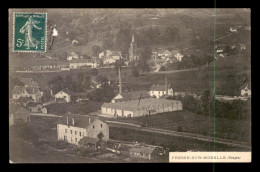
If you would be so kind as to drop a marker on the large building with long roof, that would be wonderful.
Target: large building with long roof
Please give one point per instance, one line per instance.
(140, 107)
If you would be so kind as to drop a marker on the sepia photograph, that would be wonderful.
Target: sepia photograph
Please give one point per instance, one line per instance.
(129, 85)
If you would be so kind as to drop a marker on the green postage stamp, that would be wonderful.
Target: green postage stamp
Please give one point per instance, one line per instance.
(29, 31)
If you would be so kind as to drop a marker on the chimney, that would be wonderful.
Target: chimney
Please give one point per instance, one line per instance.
(166, 86)
(67, 120)
(120, 82)
(73, 120)
(89, 120)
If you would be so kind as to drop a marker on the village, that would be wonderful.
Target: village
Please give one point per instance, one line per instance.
(116, 107)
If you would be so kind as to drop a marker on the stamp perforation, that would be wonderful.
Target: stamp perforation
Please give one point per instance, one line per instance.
(46, 28)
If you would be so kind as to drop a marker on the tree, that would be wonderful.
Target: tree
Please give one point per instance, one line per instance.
(56, 84)
(163, 68)
(145, 55)
(96, 50)
(135, 72)
(100, 136)
(205, 100)
(93, 72)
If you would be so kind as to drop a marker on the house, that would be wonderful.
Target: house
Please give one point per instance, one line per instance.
(140, 107)
(128, 96)
(63, 94)
(23, 100)
(160, 90)
(94, 143)
(18, 114)
(143, 152)
(77, 63)
(234, 29)
(108, 61)
(73, 128)
(116, 55)
(163, 53)
(246, 90)
(25, 91)
(44, 110)
(29, 82)
(34, 107)
(72, 56)
(177, 55)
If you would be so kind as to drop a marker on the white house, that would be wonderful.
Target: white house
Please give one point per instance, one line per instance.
(44, 110)
(72, 128)
(245, 90)
(108, 61)
(77, 63)
(160, 90)
(64, 94)
(72, 56)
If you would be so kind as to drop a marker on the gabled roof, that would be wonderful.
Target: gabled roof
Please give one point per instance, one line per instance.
(134, 105)
(32, 104)
(18, 109)
(248, 84)
(18, 89)
(85, 61)
(32, 90)
(79, 120)
(163, 51)
(65, 91)
(24, 99)
(86, 140)
(158, 87)
(134, 95)
(145, 150)
(29, 82)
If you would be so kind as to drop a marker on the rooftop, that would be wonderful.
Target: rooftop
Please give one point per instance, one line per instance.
(144, 103)
(24, 99)
(18, 89)
(158, 87)
(79, 120)
(134, 95)
(146, 150)
(32, 104)
(84, 61)
(32, 90)
(18, 109)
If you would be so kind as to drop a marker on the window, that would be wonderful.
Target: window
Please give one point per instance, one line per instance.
(93, 126)
(79, 133)
(101, 125)
(70, 131)
(75, 139)
(71, 139)
(65, 130)
(75, 132)
(65, 138)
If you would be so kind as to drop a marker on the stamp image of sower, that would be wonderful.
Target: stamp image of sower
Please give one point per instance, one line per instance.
(30, 32)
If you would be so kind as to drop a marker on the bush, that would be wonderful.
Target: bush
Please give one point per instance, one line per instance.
(180, 129)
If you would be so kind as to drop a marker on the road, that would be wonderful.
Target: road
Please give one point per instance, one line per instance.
(182, 134)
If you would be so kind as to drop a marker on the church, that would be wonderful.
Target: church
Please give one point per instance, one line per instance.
(133, 51)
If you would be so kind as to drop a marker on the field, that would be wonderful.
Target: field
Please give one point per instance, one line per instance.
(185, 121)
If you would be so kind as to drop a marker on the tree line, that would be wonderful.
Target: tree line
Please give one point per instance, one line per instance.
(206, 105)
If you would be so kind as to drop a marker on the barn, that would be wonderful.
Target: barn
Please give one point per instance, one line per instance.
(142, 107)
